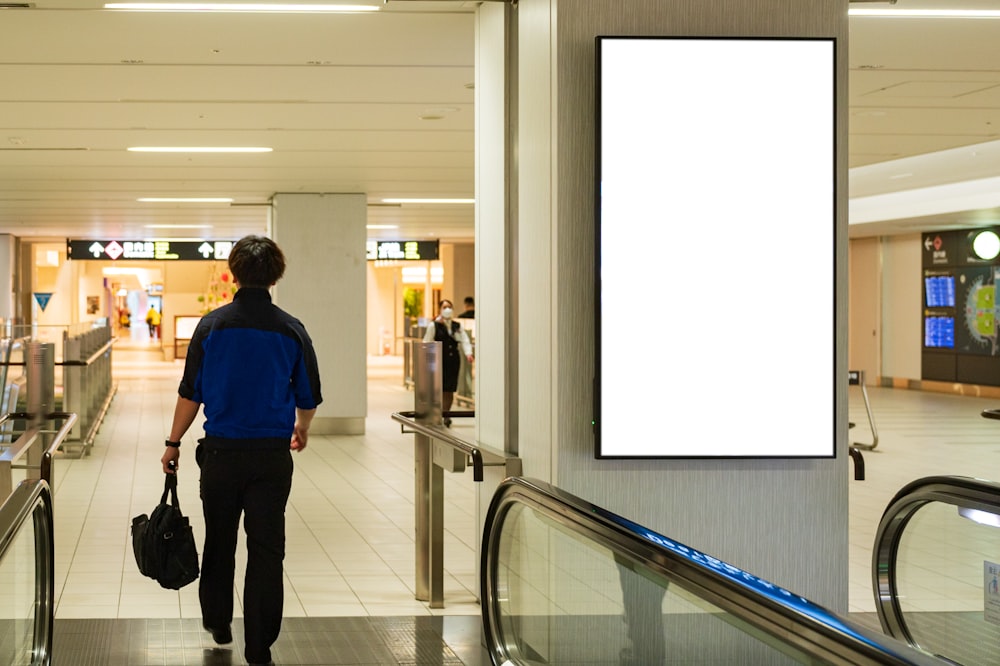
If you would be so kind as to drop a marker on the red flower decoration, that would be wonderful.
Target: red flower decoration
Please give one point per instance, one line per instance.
(225, 277)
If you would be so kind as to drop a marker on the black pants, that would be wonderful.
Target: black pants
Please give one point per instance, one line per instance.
(255, 483)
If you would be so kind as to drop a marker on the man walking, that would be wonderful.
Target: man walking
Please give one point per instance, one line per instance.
(254, 369)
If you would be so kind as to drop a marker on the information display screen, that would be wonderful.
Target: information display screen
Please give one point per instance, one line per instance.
(731, 325)
(939, 332)
(939, 291)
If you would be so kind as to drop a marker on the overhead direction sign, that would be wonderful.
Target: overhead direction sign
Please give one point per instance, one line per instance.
(156, 250)
(403, 250)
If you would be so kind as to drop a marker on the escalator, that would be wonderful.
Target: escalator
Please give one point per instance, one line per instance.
(567, 582)
(936, 568)
(27, 575)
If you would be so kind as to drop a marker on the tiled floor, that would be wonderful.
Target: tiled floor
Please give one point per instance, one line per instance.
(350, 517)
(920, 434)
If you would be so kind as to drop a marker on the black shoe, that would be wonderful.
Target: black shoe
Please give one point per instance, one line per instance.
(220, 636)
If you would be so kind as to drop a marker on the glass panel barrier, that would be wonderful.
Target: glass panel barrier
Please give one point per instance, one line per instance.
(566, 582)
(936, 568)
(26, 575)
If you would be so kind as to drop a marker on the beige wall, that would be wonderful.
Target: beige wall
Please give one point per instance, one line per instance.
(865, 298)
(902, 315)
(385, 309)
(885, 307)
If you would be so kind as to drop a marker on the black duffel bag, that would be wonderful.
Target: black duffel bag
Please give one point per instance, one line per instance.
(164, 543)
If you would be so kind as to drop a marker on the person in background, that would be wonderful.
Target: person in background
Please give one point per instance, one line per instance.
(253, 367)
(451, 335)
(153, 320)
(470, 309)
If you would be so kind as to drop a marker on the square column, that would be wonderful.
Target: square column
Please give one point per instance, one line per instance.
(323, 238)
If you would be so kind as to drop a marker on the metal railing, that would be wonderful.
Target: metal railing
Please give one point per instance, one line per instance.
(436, 449)
(27, 565)
(565, 581)
(24, 455)
(936, 565)
(81, 366)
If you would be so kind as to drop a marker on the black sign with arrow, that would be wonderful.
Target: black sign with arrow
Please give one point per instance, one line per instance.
(145, 250)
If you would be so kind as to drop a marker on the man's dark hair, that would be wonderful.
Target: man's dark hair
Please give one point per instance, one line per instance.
(256, 261)
(469, 300)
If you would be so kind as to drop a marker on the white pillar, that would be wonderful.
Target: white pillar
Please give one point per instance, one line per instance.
(323, 238)
(745, 511)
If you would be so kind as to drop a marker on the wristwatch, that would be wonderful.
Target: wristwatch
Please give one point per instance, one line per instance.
(176, 445)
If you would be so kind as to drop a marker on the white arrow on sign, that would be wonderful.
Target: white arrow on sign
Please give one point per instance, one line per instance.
(927, 243)
(96, 249)
(206, 250)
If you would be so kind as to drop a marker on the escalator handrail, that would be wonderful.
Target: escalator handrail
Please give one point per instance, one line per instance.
(960, 491)
(791, 619)
(20, 508)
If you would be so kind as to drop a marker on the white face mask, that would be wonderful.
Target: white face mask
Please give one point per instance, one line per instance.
(446, 313)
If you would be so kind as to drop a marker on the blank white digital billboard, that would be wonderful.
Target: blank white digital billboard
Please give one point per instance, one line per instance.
(715, 247)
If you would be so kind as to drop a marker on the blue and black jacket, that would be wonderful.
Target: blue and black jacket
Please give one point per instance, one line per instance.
(251, 364)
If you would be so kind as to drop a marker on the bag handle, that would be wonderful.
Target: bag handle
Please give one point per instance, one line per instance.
(170, 487)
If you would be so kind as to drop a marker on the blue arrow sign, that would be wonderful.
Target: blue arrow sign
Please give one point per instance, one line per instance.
(42, 298)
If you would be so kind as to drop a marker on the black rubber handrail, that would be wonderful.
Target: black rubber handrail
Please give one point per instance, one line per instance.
(960, 491)
(786, 617)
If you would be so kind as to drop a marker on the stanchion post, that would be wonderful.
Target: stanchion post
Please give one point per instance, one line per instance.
(428, 477)
(41, 398)
(73, 384)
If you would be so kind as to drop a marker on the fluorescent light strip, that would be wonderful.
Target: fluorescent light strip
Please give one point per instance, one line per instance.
(430, 201)
(177, 226)
(199, 149)
(382, 226)
(185, 200)
(234, 7)
(927, 13)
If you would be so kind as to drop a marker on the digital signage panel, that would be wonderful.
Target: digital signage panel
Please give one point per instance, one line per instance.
(939, 291)
(939, 332)
(733, 323)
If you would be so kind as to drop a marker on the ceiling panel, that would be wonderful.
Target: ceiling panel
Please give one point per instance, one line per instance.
(339, 99)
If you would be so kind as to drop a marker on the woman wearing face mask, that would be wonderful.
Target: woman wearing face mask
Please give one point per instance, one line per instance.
(451, 335)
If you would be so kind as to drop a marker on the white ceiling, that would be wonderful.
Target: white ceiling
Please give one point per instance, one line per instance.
(339, 99)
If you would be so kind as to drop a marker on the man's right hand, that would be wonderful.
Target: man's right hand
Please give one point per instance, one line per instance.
(170, 454)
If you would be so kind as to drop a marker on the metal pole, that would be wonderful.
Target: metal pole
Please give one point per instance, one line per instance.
(428, 478)
(41, 398)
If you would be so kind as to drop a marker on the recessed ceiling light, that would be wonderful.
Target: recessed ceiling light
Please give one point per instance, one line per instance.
(199, 149)
(430, 201)
(234, 7)
(381, 226)
(185, 200)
